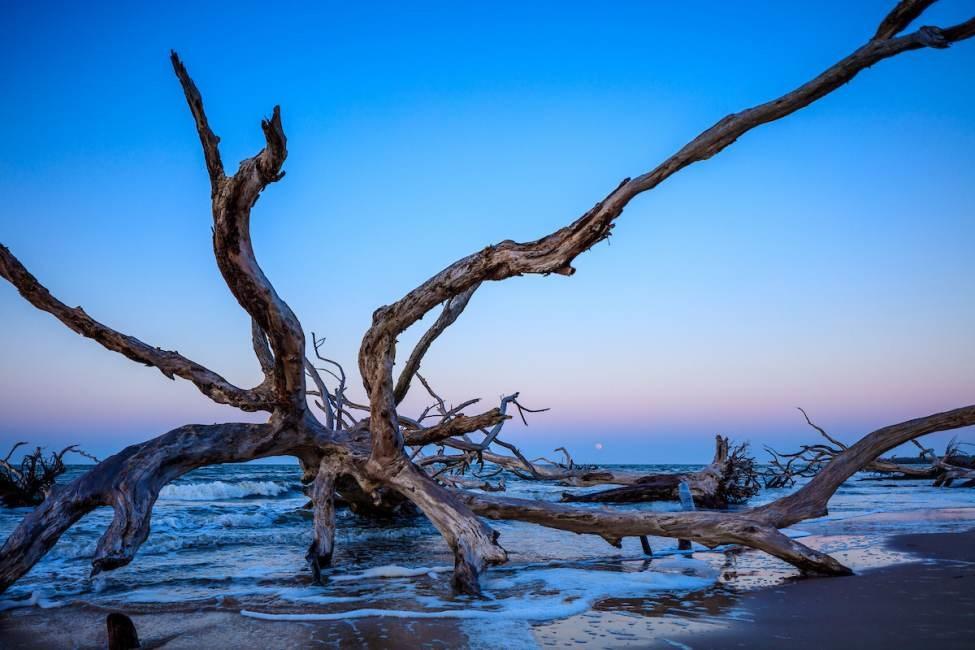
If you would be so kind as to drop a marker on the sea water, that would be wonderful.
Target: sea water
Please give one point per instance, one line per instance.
(235, 536)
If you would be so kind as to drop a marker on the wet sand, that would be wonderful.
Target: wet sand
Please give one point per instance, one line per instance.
(928, 602)
(79, 626)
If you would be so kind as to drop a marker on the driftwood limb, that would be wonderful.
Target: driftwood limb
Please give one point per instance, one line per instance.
(785, 467)
(171, 364)
(130, 482)
(756, 527)
(452, 309)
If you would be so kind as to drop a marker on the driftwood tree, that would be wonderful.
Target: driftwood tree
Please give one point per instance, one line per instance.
(32, 480)
(785, 467)
(373, 455)
(731, 478)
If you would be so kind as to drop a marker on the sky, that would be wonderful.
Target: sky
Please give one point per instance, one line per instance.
(823, 261)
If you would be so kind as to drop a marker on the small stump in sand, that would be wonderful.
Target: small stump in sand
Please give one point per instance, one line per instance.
(121, 632)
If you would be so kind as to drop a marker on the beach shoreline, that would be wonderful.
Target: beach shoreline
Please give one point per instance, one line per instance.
(928, 599)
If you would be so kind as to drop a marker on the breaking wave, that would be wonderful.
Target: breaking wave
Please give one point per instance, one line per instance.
(218, 490)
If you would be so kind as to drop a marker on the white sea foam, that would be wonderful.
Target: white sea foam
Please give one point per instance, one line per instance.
(390, 571)
(24, 602)
(36, 600)
(312, 596)
(491, 634)
(546, 594)
(237, 520)
(218, 490)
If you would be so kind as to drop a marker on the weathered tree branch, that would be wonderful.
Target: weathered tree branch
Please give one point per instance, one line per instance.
(555, 252)
(171, 364)
(323, 505)
(474, 544)
(233, 197)
(810, 501)
(452, 309)
(130, 482)
(457, 426)
(756, 528)
(784, 467)
(900, 17)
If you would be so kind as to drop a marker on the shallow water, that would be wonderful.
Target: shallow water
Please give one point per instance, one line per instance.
(235, 537)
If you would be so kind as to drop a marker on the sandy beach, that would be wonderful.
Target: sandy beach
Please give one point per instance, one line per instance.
(928, 600)
(906, 606)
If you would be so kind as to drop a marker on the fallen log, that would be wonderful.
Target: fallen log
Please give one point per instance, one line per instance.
(731, 478)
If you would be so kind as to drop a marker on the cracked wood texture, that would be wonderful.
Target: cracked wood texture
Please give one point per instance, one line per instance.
(370, 453)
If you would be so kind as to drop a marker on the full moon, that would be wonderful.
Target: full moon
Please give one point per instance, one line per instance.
(599, 445)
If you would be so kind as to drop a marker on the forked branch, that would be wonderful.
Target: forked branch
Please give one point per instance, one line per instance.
(233, 197)
(171, 364)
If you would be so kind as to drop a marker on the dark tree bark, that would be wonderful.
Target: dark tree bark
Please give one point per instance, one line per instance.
(121, 632)
(29, 483)
(373, 452)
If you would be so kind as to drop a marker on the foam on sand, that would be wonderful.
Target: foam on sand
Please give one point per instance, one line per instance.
(35, 600)
(390, 571)
(538, 594)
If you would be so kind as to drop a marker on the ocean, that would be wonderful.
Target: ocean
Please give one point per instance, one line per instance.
(235, 536)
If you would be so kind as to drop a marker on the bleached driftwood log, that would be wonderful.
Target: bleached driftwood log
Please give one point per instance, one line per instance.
(373, 451)
(731, 478)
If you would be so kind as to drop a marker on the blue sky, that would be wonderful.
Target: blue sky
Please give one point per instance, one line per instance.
(823, 261)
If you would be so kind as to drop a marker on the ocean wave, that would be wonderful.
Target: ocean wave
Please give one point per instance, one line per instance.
(218, 490)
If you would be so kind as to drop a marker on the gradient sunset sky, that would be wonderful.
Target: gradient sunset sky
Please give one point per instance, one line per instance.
(824, 261)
